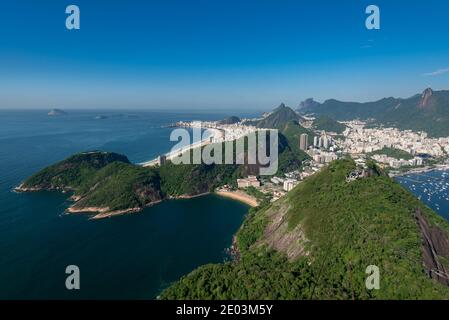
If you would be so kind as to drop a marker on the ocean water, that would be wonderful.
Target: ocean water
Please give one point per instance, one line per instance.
(432, 188)
(127, 257)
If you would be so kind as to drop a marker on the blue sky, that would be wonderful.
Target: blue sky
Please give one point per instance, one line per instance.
(191, 54)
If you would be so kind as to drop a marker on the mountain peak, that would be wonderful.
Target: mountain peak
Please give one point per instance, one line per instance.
(281, 106)
(279, 117)
(428, 91)
(308, 103)
(425, 98)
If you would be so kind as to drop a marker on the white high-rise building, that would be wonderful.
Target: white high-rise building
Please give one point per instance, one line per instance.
(304, 142)
(289, 184)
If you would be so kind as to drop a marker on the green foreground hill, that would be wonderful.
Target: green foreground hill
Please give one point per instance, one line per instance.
(317, 243)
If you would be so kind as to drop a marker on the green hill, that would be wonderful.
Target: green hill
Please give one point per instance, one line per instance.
(72, 172)
(119, 186)
(291, 158)
(278, 118)
(341, 110)
(230, 120)
(428, 111)
(328, 124)
(317, 243)
(107, 182)
(393, 153)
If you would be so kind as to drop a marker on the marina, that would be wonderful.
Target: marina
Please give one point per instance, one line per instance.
(430, 187)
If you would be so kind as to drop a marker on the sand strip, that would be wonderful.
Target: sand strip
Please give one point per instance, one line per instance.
(240, 196)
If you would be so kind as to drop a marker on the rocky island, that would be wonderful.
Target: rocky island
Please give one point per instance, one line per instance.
(56, 112)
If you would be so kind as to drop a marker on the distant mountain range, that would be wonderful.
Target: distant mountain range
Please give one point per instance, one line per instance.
(308, 103)
(284, 118)
(428, 111)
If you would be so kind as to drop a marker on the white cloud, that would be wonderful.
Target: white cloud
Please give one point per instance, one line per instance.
(436, 73)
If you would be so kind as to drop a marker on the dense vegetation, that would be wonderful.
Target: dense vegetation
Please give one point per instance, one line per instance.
(393, 153)
(349, 226)
(262, 198)
(291, 157)
(328, 124)
(108, 180)
(74, 171)
(120, 186)
(184, 179)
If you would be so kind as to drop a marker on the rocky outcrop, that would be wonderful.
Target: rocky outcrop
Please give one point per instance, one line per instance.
(435, 247)
(278, 236)
(425, 101)
(308, 103)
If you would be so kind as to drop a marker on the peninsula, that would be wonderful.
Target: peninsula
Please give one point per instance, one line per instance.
(107, 184)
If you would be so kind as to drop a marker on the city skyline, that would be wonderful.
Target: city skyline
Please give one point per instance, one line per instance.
(221, 55)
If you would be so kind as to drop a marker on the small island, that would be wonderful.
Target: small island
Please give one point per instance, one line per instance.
(56, 112)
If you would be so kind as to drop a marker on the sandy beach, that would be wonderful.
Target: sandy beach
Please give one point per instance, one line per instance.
(240, 196)
(175, 153)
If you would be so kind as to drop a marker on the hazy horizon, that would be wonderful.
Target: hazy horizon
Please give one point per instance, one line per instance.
(197, 108)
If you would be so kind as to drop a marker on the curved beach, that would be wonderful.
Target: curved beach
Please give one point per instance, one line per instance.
(240, 196)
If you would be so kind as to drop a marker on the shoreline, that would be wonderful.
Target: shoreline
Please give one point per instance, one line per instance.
(102, 213)
(185, 197)
(239, 196)
(98, 213)
(441, 167)
(194, 145)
